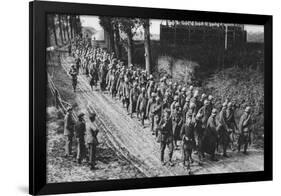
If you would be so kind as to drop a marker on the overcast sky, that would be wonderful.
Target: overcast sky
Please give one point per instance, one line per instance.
(93, 21)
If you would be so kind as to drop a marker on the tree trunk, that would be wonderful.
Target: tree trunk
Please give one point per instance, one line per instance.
(147, 46)
(66, 27)
(61, 33)
(54, 30)
(111, 40)
(71, 26)
(116, 42)
(130, 48)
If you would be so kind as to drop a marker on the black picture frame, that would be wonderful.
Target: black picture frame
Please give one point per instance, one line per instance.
(38, 84)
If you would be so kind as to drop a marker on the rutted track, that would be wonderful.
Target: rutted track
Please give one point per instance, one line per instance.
(137, 145)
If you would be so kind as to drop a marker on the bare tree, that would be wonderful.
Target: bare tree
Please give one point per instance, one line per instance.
(145, 23)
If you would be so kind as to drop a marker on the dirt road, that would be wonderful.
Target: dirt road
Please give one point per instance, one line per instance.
(139, 146)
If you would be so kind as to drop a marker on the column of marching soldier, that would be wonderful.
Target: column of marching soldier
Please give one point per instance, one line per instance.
(175, 112)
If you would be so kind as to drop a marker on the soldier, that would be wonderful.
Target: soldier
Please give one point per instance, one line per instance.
(133, 98)
(195, 100)
(230, 120)
(173, 105)
(69, 124)
(149, 110)
(92, 141)
(93, 76)
(199, 130)
(141, 105)
(177, 123)
(73, 73)
(210, 138)
(205, 112)
(126, 94)
(202, 99)
(187, 135)
(78, 64)
(80, 130)
(113, 84)
(185, 108)
(245, 129)
(166, 137)
(157, 111)
(223, 130)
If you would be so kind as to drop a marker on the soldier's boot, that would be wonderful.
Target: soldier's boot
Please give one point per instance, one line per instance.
(245, 149)
(239, 147)
(224, 152)
(213, 158)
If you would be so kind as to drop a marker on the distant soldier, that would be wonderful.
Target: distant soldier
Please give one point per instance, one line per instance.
(73, 73)
(185, 108)
(173, 105)
(134, 93)
(224, 138)
(92, 141)
(245, 129)
(202, 100)
(113, 84)
(78, 64)
(103, 73)
(210, 138)
(141, 105)
(195, 100)
(199, 131)
(150, 111)
(69, 124)
(93, 77)
(166, 136)
(230, 121)
(177, 123)
(126, 94)
(157, 111)
(188, 142)
(80, 130)
(205, 111)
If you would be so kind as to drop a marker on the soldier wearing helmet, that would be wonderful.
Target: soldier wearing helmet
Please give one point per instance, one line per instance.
(141, 105)
(209, 143)
(173, 105)
(134, 93)
(177, 123)
(73, 73)
(223, 129)
(126, 93)
(188, 141)
(150, 111)
(230, 120)
(245, 124)
(166, 136)
(202, 99)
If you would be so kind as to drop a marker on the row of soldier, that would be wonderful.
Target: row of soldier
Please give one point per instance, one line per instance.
(175, 112)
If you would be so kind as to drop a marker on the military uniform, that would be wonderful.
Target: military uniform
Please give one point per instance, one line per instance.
(92, 143)
(244, 131)
(210, 138)
(69, 124)
(224, 138)
(80, 130)
(230, 120)
(166, 137)
(177, 124)
(188, 142)
(134, 93)
(141, 106)
(73, 72)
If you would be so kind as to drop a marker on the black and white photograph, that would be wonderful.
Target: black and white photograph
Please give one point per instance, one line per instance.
(132, 98)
